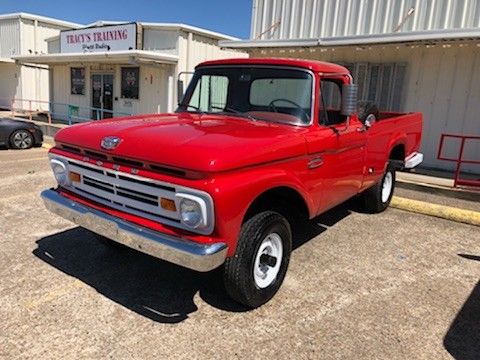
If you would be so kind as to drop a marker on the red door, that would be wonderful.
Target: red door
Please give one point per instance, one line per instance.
(336, 149)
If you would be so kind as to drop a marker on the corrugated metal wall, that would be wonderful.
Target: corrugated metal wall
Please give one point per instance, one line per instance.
(294, 19)
(9, 37)
(9, 74)
(442, 81)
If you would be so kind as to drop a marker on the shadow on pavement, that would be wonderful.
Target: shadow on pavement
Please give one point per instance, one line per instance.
(462, 340)
(153, 288)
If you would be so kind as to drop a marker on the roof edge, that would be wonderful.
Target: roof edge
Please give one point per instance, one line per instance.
(190, 28)
(370, 39)
(45, 19)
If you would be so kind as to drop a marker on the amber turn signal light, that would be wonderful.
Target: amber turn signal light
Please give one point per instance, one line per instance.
(74, 177)
(168, 204)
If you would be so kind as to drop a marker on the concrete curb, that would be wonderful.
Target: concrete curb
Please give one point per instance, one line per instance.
(440, 211)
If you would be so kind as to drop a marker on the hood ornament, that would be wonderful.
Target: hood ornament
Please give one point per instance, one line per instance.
(110, 142)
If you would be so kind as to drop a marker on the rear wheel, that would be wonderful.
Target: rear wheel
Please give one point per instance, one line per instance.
(255, 273)
(377, 198)
(21, 139)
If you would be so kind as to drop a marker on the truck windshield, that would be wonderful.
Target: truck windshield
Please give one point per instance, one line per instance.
(255, 93)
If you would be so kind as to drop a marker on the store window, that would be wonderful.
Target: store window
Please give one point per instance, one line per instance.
(130, 82)
(77, 81)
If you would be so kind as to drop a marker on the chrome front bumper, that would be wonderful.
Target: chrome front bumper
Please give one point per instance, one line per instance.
(173, 249)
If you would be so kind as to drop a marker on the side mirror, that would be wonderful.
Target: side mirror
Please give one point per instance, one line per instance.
(349, 99)
(179, 90)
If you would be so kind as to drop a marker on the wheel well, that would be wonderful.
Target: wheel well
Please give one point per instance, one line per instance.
(397, 156)
(398, 153)
(284, 200)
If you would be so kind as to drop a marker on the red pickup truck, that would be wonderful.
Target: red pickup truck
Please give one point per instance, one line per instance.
(254, 145)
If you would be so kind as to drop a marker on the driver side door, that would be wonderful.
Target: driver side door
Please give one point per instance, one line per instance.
(337, 145)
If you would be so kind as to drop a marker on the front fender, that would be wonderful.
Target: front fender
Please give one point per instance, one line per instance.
(234, 192)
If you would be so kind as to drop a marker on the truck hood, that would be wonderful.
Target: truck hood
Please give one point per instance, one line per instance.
(206, 143)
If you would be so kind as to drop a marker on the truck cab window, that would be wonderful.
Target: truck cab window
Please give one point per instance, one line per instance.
(210, 95)
(331, 103)
(254, 93)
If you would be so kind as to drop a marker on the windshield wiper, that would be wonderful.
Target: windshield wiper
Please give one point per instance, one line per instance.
(235, 111)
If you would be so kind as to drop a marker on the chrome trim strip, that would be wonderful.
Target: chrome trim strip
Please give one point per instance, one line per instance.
(413, 160)
(169, 248)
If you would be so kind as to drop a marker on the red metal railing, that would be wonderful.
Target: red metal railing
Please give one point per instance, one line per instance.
(459, 159)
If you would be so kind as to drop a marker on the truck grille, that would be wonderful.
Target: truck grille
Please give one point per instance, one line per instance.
(132, 194)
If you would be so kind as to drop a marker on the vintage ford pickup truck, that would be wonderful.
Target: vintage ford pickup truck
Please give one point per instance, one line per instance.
(255, 145)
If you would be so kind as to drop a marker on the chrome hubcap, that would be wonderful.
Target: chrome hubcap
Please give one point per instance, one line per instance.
(22, 140)
(268, 260)
(387, 186)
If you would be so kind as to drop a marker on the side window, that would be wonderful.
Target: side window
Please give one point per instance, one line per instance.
(210, 93)
(331, 103)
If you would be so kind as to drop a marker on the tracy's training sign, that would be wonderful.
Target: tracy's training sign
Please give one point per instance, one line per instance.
(99, 39)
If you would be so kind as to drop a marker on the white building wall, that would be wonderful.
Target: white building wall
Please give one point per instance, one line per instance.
(442, 82)
(153, 90)
(194, 49)
(9, 75)
(160, 40)
(23, 36)
(294, 19)
(53, 46)
(9, 37)
(62, 92)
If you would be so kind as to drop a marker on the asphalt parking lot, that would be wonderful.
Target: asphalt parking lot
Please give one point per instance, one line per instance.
(393, 285)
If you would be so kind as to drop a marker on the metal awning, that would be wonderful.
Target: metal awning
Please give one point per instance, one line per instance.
(427, 36)
(109, 57)
(6, 60)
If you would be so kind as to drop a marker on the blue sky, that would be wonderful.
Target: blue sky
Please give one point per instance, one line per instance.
(228, 16)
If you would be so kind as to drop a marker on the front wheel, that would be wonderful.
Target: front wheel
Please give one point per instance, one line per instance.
(378, 197)
(255, 273)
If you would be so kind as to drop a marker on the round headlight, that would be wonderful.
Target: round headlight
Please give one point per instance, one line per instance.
(191, 213)
(60, 172)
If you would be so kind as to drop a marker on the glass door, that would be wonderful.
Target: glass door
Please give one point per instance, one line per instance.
(102, 96)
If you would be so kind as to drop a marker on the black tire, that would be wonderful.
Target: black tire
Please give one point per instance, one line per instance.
(366, 108)
(238, 276)
(21, 139)
(373, 200)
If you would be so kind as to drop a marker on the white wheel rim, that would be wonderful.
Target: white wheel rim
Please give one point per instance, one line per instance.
(387, 186)
(265, 274)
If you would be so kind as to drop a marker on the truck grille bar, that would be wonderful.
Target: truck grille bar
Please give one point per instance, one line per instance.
(124, 192)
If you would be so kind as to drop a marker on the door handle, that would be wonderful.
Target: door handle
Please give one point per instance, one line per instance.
(315, 162)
